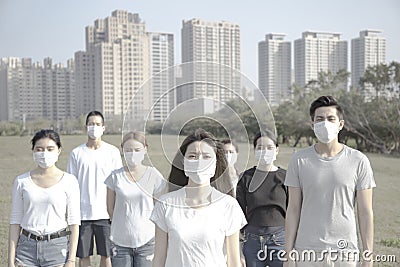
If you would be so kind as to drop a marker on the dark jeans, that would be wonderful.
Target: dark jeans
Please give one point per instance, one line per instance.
(261, 248)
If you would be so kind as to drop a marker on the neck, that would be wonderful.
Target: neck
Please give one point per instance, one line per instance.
(330, 149)
(196, 191)
(267, 167)
(93, 143)
(134, 168)
(44, 171)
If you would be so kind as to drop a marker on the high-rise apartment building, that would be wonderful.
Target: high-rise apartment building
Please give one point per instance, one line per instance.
(117, 61)
(216, 43)
(36, 91)
(274, 68)
(369, 49)
(162, 81)
(316, 52)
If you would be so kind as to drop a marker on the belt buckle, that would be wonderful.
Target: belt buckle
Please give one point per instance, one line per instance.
(39, 238)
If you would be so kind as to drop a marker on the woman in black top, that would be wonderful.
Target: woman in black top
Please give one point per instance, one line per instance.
(263, 198)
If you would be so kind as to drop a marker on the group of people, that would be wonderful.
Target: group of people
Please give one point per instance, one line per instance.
(208, 215)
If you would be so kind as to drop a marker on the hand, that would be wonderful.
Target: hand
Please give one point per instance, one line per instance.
(242, 262)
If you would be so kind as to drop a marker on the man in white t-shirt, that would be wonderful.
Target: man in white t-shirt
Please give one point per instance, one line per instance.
(92, 163)
(326, 181)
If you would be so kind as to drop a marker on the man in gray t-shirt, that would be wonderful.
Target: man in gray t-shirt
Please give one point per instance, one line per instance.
(326, 181)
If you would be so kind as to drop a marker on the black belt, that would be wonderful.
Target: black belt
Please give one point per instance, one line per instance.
(58, 234)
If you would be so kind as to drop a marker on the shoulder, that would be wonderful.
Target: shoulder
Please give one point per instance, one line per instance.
(173, 197)
(154, 172)
(110, 146)
(78, 148)
(281, 172)
(354, 154)
(248, 172)
(23, 178)
(117, 174)
(70, 180)
(226, 203)
(304, 152)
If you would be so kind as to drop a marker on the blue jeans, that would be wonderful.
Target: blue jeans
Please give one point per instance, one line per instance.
(30, 252)
(133, 257)
(261, 250)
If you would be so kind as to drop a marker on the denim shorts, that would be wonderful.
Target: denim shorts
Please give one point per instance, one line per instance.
(44, 253)
(127, 257)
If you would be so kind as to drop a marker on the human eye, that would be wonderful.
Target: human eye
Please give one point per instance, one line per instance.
(191, 156)
(207, 156)
(332, 118)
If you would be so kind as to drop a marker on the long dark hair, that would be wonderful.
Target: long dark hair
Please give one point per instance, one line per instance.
(220, 181)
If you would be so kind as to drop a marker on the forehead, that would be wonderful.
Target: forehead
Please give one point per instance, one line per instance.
(200, 146)
(95, 119)
(325, 111)
(264, 140)
(45, 142)
(132, 143)
(229, 147)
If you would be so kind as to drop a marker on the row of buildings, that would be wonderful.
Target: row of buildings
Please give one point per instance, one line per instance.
(123, 68)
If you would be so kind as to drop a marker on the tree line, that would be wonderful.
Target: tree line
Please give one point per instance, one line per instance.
(372, 122)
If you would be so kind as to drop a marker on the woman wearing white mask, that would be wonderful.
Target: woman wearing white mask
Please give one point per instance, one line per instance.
(231, 155)
(263, 197)
(130, 199)
(193, 223)
(45, 214)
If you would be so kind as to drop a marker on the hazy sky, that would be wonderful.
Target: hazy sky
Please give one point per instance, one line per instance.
(50, 28)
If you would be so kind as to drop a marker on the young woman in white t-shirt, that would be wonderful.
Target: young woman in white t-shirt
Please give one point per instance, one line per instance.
(194, 222)
(45, 214)
(131, 192)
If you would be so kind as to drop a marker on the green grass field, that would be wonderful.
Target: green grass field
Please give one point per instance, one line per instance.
(16, 158)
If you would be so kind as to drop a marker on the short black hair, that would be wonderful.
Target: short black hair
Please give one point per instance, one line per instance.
(229, 141)
(266, 133)
(51, 134)
(94, 113)
(326, 101)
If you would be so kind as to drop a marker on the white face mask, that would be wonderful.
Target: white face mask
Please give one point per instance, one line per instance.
(95, 131)
(326, 131)
(231, 158)
(265, 156)
(200, 171)
(134, 158)
(45, 159)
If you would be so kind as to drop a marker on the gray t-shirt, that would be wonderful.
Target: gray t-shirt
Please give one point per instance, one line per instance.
(329, 188)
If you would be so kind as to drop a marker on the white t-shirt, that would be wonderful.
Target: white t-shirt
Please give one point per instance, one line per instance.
(196, 235)
(92, 167)
(328, 186)
(131, 225)
(41, 210)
